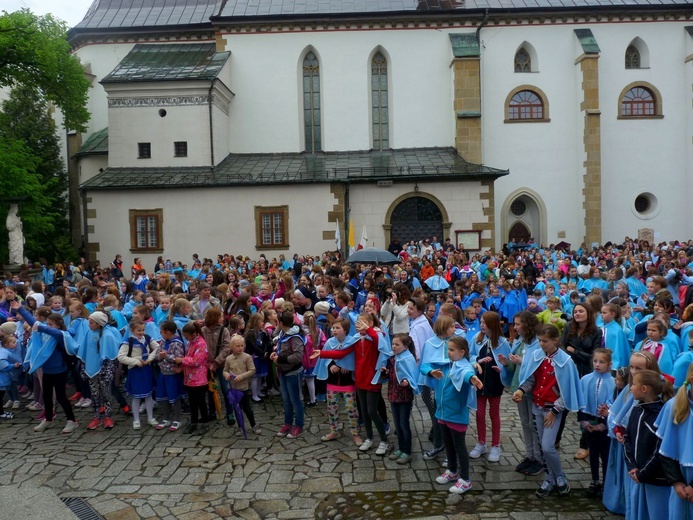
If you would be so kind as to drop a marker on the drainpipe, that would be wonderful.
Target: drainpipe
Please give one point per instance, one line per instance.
(211, 129)
(481, 26)
(85, 226)
(347, 222)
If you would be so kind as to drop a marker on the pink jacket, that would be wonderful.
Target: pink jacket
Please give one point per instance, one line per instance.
(195, 363)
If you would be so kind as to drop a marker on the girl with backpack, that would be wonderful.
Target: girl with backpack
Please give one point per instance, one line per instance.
(315, 340)
(289, 357)
(137, 354)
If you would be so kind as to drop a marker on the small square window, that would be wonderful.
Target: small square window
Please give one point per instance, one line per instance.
(180, 148)
(271, 227)
(146, 233)
(144, 150)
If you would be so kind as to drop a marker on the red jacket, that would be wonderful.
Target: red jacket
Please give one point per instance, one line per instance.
(366, 354)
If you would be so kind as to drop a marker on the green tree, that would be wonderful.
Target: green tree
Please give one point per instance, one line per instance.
(31, 167)
(34, 52)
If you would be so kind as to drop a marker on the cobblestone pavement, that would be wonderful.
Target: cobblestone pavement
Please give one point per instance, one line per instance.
(126, 474)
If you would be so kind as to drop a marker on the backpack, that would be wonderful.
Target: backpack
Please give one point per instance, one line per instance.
(131, 344)
(309, 348)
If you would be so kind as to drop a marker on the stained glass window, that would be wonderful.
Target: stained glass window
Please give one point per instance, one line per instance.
(632, 57)
(523, 62)
(380, 106)
(311, 103)
(638, 102)
(526, 105)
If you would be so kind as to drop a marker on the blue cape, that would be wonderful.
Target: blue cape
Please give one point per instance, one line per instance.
(406, 368)
(78, 329)
(97, 346)
(151, 329)
(503, 348)
(666, 358)
(529, 348)
(593, 399)
(435, 350)
(616, 340)
(619, 413)
(676, 438)
(566, 375)
(459, 371)
(347, 362)
(683, 361)
(385, 351)
(42, 346)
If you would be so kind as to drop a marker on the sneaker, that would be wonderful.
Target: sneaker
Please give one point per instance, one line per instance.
(43, 426)
(330, 437)
(163, 424)
(136, 425)
(593, 490)
(230, 420)
(461, 486)
(284, 431)
(75, 397)
(581, 454)
(94, 424)
(358, 440)
(522, 466)
(16, 405)
(494, 454)
(175, 426)
(445, 463)
(447, 477)
(545, 489)
(29, 396)
(86, 403)
(404, 458)
(108, 423)
(190, 428)
(126, 410)
(9, 403)
(152, 422)
(535, 469)
(70, 427)
(478, 451)
(34, 406)
(273, 392)
(395, 455)
(366, 445)
(562, 486)
(7, 415)
(311, 404)
(383, 448)
(387, 428)
(257, 430)
(433, 453)
(22, 390)
(259, 400)
(78, 404)
(294, 433)
(202, 429)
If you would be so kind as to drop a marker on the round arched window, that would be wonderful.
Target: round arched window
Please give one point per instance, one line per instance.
(518, 207)
(526, 105)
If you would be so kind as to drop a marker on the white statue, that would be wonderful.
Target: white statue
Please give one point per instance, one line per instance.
(14, 228)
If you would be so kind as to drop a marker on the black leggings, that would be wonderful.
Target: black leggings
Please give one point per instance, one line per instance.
(599, 444)
(56, 382)
(369, 407)
(429, 399)
(247, 410)
(456, 451)
(198, 407)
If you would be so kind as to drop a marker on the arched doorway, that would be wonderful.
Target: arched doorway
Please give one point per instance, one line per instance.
(519, 233)
(523, 216)
(416, 218)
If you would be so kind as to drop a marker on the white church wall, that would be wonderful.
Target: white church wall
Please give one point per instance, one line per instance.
(267, 115)
(209, 221)
(645, 155)
(89, 166)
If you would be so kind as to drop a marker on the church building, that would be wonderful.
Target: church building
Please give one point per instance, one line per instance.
(263, 126)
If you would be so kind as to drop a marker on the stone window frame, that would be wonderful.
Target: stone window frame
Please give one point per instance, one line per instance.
(539, 93)
(133, 215)
(261, 211)
(654, 92)
(144, 150)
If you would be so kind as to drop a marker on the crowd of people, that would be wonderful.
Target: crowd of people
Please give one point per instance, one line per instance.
(604, 332)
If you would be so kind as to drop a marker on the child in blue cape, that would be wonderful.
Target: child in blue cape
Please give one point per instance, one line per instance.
(649, 492)
(455, 383)
(675, 429)
(613, 336)
(683, 361)
(137, 353)
(339, 374)
(79, 329)
(613, 496)
(555, 388)
(98, 350)
(597, 387)
(401, 372)
(7, 365)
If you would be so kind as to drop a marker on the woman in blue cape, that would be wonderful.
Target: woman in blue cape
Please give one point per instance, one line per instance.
(48, 350)
(675, 428)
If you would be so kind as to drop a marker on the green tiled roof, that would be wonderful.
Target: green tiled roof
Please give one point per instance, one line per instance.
(412, 164)
(174, 62)
(97, 143)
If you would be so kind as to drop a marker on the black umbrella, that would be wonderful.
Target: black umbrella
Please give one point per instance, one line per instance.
(372, 255)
